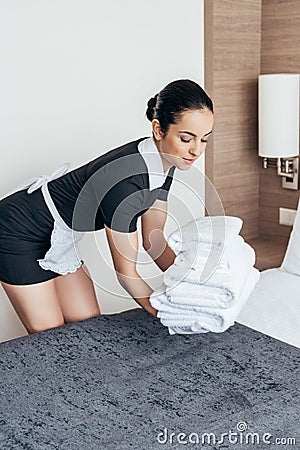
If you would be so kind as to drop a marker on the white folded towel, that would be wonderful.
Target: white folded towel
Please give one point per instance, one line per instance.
(221, 289)
(197, 256)
(191, 319)
(185, 330)
(209, 230)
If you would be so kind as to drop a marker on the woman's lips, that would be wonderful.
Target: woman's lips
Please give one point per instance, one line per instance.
(190, 161)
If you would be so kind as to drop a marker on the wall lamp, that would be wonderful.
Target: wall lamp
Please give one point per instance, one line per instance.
(278, 125)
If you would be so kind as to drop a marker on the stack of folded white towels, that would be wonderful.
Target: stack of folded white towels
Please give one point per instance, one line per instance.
(211, 278)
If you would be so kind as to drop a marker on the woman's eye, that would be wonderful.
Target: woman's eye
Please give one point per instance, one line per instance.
(203, 140)
(183, 140)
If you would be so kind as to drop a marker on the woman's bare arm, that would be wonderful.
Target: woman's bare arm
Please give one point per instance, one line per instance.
(124, 249)
(154, 242)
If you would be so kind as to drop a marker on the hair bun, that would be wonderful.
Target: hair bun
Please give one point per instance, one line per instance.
(171, 102)
(151, 107)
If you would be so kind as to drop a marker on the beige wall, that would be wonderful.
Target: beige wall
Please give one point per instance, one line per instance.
(242, 40)
(280, 52)
(232, 66)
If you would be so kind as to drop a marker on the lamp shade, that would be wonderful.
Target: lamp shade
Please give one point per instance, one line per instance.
(278, 115)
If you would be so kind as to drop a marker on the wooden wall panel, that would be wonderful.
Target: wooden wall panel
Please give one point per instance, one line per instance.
(280, 53)
(232, 66)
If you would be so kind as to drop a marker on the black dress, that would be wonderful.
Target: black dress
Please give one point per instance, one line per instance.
(111, 190)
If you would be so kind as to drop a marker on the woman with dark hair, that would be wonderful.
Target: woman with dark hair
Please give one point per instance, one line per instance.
(42, 220)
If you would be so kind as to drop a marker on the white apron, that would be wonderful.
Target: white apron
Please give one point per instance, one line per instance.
(62, 257)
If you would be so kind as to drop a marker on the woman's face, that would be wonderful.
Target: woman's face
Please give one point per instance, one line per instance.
(185, 140)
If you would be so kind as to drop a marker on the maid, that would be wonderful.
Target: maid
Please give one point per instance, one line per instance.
(43, 219)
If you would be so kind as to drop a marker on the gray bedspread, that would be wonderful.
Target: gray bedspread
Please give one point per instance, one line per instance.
(121, 381)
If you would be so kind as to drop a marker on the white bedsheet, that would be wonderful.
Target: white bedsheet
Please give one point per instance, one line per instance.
(274, 306)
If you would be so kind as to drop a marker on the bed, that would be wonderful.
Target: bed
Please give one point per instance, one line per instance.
(274, 306)
(121, 381)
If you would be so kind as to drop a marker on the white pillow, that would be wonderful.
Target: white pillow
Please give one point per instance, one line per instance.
(291, 262)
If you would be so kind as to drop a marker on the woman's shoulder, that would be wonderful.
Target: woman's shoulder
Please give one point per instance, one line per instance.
(121, 162)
